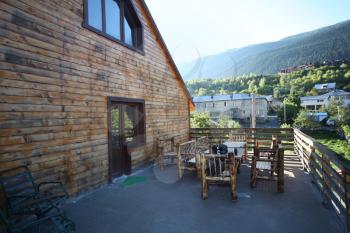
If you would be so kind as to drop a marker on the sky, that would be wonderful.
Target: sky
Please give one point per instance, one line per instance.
(195, 28)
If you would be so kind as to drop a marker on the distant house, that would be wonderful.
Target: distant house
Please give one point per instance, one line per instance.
(325, 87)
(236, 106)
(315, 103)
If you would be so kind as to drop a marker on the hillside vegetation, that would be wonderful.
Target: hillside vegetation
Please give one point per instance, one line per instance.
(327, 43)
(293, 85)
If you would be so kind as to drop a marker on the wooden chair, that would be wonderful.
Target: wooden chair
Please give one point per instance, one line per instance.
(218, 170)
(187, 157)
(240, 138)
(166, 151)
(268, 166)
(264, 149)
(202, 144)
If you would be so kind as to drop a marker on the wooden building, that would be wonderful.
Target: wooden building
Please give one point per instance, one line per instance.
(86, 87)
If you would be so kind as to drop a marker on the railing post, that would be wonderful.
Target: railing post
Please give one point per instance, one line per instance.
(346, 175)
(312, 151)
(324, 182)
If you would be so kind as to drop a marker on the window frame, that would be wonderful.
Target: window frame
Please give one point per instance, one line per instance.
(138, 31)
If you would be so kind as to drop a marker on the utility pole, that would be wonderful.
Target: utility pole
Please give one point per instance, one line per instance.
(253, 111)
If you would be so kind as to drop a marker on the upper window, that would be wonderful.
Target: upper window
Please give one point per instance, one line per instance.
(116, 20)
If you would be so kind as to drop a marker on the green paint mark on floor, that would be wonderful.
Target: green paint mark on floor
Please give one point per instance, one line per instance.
(131, 180)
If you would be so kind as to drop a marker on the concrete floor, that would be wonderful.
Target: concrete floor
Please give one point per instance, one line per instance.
(166, 205)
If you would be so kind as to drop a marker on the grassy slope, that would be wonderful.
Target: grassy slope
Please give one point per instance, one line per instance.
(332, 141)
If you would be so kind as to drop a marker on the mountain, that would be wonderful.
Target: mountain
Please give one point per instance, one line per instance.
(327, 43)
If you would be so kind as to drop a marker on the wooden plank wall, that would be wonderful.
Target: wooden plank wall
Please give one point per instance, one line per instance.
(55, 77)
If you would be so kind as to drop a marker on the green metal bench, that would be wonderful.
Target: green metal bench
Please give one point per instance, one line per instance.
(32, 207)
(24, 196)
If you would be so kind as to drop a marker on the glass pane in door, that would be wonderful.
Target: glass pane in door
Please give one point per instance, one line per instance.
(115, 118)
(130, 122)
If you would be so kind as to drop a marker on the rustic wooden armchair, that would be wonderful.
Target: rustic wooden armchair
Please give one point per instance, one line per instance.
(202, 144)
(166, 151)
(240, 138)
(187, 157)
(267, 144)
(268, 166)
(218, 169)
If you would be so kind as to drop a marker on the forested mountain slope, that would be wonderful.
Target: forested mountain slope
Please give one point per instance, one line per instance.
(328, 43)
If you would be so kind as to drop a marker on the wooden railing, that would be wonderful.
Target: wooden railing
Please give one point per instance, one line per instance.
(329, 171)
(262, 135)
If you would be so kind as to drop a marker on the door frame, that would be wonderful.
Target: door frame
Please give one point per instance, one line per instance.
(110, 100)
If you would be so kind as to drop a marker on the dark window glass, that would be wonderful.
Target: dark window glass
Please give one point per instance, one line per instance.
(128, 33)
(117, 20)
(95, 14)
(112, 18)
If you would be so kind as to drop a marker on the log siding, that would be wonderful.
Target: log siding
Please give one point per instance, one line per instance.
(55, 78)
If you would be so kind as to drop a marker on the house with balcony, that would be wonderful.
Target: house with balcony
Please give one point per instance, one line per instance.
(316, 103)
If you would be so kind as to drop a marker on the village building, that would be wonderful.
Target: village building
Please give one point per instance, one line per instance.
(236, 106)
(86, 89)
(316, 103)
(325, 87)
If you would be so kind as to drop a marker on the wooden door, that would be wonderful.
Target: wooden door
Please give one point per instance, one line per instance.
(126, 130)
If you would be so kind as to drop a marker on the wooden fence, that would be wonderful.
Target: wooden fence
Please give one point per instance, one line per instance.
(216, 135)
(328, 171)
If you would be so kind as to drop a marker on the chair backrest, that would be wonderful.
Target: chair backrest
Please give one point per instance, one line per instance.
(187, 150)
(238, 138)
(202, 144)
(216, 167)
(17, 181)
(165, 144)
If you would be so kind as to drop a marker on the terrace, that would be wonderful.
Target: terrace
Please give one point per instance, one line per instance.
(163, 203)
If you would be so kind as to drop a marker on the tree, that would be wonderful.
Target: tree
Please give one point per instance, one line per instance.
(305, 121)
(202, 91)
(200, 120)
(276, 92)
(337, 111)
(226, 122)
(292, 111)
(262, 82)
